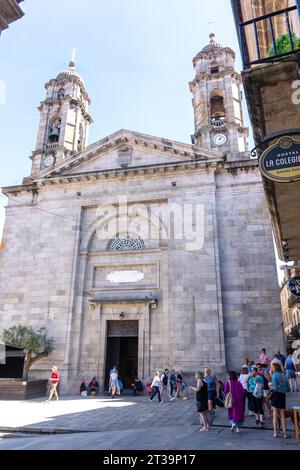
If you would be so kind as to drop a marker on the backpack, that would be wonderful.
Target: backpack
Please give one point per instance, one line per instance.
(165, 379)
(258, 391)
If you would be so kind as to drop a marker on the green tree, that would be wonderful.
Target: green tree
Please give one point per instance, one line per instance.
(283, 45)
(36, 344)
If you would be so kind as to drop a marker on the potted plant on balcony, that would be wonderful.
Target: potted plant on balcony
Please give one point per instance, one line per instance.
(36, 345)
(283, 45)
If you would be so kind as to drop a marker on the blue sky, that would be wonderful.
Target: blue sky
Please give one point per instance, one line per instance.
(134, 55)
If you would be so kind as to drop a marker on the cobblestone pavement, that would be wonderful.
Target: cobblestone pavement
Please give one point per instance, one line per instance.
(124, 423)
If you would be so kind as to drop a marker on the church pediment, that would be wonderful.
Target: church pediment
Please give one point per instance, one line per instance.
(127, 149)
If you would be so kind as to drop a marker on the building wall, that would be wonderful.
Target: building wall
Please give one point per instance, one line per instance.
(250, 291)
(36, 269)
(46, 273)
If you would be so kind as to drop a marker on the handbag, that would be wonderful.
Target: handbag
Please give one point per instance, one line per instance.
(229, 399)
(258, 393)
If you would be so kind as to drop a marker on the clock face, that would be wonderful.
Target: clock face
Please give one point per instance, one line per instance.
(49, 161)
(220, 139)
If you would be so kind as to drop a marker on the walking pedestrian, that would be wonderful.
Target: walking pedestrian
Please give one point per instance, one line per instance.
(236, 414)
(276, 360)
(212, 384)
(184, 385)
(179, 387)
(164, 385)
(256, 384)
(290, 372)
(264, 359)
(266, 389)
(281, 357)
(54, 381)
(172, 381)
(280, 387)
(243, 379)
(202, 401)
(156, 385)
(113, 381)
(246, 363)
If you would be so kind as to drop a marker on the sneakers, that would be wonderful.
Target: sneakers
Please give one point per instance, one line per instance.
(238, 429)
(204, 429)
(185, 398)
(257, 422)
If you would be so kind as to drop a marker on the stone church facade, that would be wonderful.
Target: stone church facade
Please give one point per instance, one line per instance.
(137, 250)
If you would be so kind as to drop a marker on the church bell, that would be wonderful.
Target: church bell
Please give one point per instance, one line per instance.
(54, 134)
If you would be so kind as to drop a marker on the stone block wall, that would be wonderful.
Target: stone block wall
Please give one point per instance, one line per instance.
(250, 291)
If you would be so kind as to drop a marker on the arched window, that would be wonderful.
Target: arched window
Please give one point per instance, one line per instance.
(61, 93)
(217, 109)
(126, 242)
(54, 129)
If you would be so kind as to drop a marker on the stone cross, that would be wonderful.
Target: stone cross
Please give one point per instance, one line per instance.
(211, 23)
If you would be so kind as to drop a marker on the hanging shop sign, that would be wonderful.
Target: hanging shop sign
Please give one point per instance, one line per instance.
(281, 161)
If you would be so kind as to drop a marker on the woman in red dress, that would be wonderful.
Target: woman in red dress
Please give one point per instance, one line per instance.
(54, 380)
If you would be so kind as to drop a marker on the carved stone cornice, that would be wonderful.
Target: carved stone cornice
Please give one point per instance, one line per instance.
(69, 78)
(10, 12)
(134, 139)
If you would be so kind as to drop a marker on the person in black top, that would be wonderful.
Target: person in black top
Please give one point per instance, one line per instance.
(266, 389)
(202, 401)
(164, 383)
(137, 386)
(83, 388)
(93, 386)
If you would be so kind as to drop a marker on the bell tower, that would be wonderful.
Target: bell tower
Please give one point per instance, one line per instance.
(64, 120)
(217, 102)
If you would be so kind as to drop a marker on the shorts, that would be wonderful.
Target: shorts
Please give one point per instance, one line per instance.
(290, 374)
(278, 400)
(202, 406)
(212, 395)
(114, 383)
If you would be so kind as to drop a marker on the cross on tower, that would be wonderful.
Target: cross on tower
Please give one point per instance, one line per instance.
(211, 23)
(73, 54)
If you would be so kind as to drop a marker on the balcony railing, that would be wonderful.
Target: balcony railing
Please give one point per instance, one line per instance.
(218, 123)
(267, 38)
(53, 146)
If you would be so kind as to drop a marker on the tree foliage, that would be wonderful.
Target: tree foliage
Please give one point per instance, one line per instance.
(283, 45)
(36, 344)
